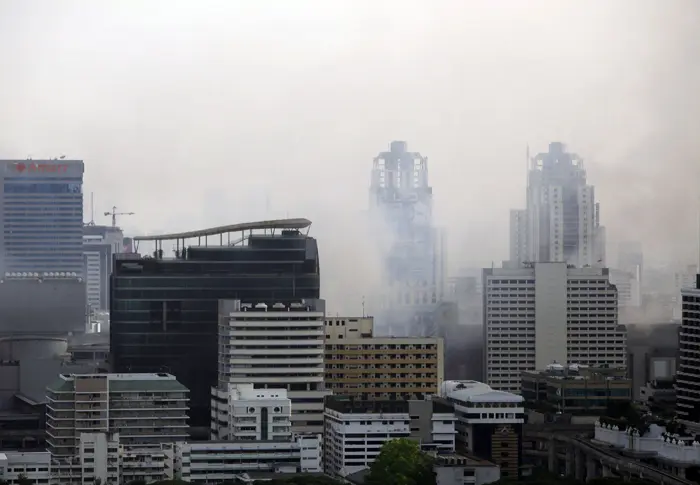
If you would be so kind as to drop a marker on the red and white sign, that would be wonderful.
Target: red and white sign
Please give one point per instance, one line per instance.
(22, 167)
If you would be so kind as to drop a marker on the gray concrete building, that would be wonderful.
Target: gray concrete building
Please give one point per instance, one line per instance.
(41, 212)
(100, 243)
(41, 262)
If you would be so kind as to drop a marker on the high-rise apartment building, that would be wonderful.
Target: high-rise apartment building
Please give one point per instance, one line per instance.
(688, 375)
(366, 367)
(164, 311)
(144, 409)
(100, 243)
(275, 345)
(401, 204)
(42, 217)
(562, 219)
(546, 313)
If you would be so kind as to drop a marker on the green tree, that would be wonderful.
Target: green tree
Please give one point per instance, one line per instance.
(23, 480)
(400, 462)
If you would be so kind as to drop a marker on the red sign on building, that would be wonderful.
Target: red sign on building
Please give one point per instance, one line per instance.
(41, 167)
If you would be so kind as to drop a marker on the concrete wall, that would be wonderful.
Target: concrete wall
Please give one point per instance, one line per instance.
(18, 348)
(49, 307)
(550, 314)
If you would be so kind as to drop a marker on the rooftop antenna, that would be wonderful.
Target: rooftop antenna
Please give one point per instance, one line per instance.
(363, 306)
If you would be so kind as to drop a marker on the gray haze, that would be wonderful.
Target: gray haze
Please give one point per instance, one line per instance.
(196, 113)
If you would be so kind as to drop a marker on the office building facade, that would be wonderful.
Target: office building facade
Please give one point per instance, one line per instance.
(100, 243)
(545, 313)
(356, 430)
(164, 311)
(42, 217)
(688, 375)
(576, 389)
(276, 345)
(489, 423)
(562, 219)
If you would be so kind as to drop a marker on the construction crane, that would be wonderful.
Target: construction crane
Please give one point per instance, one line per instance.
(114, 215)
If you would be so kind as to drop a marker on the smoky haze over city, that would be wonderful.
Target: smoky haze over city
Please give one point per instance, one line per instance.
(196, 114)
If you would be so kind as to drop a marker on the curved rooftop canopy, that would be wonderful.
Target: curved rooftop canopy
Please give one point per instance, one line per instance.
(299, 223)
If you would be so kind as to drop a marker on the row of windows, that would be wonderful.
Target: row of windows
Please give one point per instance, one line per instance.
(43, 188)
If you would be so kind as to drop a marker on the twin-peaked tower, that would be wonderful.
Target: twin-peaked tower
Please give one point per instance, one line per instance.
(401, 203)
(561, 221)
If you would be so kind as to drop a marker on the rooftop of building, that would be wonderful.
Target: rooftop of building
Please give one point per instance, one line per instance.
(578, 372)
(447, 459)
(385, 340)
(473, 391)
(122, 382)
(300, 305)
(350, 405)
(297, 224)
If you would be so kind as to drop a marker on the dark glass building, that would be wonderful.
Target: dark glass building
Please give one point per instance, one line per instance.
(164, 311)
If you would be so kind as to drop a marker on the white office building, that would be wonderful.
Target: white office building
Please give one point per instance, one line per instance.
(356, 430)
(562, 220)
(276, 345)
(489, 422)
(35, 466)
(211, 462)
(245, 413)
(543, 313)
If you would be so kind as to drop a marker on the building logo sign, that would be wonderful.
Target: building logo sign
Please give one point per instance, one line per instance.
(41, 168)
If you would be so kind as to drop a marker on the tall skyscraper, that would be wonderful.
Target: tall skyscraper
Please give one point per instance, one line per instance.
(164, 309)
(99, 244)
(562, 220)
(42, 217)
(688, 375)
(401, 203)
(42, 291)
(544, 313)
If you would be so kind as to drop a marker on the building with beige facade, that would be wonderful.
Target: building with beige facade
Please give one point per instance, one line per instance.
(359, 364)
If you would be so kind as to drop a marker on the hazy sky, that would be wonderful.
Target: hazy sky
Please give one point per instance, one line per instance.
(193, 113)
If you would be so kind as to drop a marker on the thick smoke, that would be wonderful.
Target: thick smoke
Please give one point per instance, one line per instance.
(187, 114)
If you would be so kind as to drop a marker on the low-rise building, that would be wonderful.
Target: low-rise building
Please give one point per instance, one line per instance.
(457, 469)
(489, 423)
(35, 466)
(358, 364)
(246, 413)
(211, 462)
(576, 389)
(670, 452)
(355, 430)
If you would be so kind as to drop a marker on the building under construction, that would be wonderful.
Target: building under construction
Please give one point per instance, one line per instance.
(401, 203)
